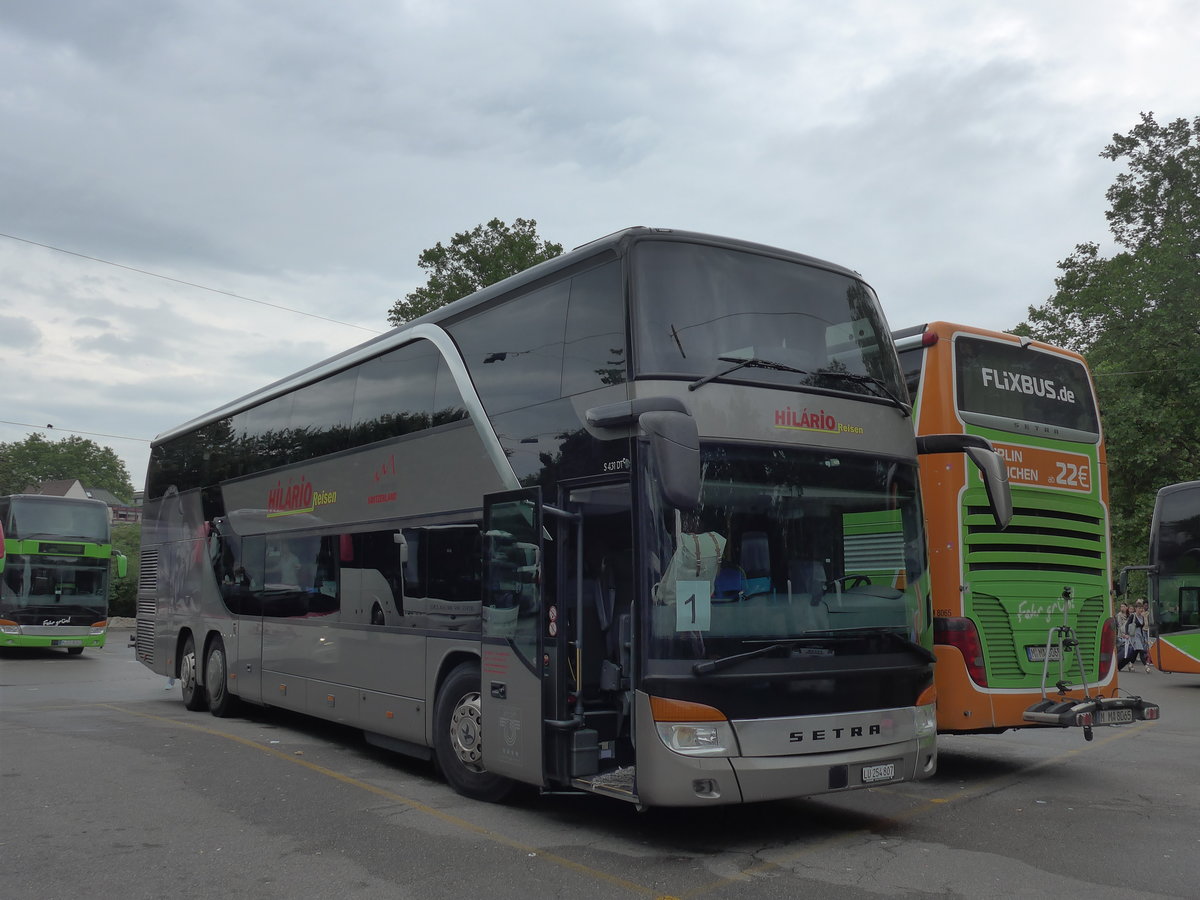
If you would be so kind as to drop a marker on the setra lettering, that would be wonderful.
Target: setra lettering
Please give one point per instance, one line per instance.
(827, 734)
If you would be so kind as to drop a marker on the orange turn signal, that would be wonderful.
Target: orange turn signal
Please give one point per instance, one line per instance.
(665, 710)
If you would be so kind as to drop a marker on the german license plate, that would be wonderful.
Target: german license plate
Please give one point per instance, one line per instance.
(1114, 716)
(66, 643)
(884, 772)
(1038, 653)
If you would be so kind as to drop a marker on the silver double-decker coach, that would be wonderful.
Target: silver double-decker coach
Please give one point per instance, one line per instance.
(642, 521)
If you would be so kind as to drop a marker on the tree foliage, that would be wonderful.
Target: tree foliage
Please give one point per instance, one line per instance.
(37, 459)
(1136, 318)
(473, 260)
(122, 595)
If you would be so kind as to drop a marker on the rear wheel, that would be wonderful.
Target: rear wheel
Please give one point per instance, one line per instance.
(221, 703)
(458, 738)
(189, 674)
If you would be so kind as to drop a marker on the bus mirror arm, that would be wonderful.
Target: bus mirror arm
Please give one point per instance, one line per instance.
(1123, 577)
(991, 466)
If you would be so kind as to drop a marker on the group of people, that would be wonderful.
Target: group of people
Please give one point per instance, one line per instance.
(1133, 636)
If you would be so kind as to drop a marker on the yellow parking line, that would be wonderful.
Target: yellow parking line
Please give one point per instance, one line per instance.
(406, 801)
(925, 806)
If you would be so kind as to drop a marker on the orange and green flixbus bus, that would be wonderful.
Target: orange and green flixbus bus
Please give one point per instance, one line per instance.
(1023, 621)
(590, 529)
(1174, 578)
(54, 571)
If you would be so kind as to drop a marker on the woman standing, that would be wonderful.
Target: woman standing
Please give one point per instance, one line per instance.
(1139, 635)
(1123, 637)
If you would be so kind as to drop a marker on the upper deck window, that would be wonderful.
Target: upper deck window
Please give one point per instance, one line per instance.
(1012, 388)
(695, 304)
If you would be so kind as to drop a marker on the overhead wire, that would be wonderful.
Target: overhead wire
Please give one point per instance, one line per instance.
(181, 281)
(122, 437)
(202, 287)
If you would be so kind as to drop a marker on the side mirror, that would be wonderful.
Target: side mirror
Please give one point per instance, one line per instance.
(122, 565)
(989, 463)
(675, 451)
(995, 481)
(1123, 582)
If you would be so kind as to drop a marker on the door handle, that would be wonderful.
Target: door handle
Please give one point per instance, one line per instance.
(499, 690)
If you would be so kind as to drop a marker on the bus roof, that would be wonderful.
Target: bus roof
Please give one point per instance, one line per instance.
(906, 338)
(612, 246)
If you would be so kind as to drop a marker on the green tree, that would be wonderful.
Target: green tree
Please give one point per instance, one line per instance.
(473, 260)
(1136, 318)
(122, 594)
(36, 459)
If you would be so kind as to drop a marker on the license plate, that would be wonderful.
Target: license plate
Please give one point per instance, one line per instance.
(885, 772)
(66, 643)
(1114, 716)
(1038, 654)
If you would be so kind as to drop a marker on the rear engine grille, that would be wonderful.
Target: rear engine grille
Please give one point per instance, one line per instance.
(147, 606)
(1039, 539)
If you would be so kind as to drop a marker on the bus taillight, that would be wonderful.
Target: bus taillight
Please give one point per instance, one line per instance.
(961, 633)
(1108, 646)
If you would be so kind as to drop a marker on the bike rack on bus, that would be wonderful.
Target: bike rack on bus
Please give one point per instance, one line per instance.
(1092, 710)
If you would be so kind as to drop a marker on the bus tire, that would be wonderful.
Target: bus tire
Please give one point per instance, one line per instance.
(189, 673)
(457, 739)
(221, 703)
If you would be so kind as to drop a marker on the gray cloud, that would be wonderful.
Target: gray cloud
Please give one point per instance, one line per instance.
(17, 331)
(303, 156)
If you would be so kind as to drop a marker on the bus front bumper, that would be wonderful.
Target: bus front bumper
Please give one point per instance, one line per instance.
(41, 636)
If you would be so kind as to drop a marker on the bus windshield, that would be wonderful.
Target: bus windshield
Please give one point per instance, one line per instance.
(787, 543)
(696, 307)
(1175, 553)
(1006, 386)
(32, 518)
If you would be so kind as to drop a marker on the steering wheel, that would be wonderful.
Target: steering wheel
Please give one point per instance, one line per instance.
(848, 582)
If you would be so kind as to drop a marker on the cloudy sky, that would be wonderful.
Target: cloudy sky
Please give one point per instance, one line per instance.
(166, 164)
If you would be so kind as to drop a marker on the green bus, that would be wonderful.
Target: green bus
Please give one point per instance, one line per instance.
(55, 575)
(1022, 616)
(1174, 578)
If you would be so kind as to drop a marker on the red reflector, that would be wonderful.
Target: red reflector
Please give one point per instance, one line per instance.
(961, 633)
(1151, 712)
(1083, 719)
(929, 338)
(1108, 646)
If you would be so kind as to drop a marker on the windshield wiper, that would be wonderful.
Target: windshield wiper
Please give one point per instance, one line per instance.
(741, 362)
(882, 390)
(885, 631)
(712, 665)
(708, 666)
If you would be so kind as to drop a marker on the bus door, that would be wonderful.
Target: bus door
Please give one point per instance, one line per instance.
(513, 613)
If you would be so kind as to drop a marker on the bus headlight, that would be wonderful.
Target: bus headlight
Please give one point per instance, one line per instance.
(9, 627)
(697, 738)
(693, 729)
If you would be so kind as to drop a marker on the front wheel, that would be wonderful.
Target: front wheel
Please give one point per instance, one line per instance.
(189, 677)
(458, 738)
(221, 703)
